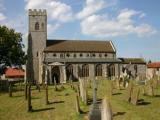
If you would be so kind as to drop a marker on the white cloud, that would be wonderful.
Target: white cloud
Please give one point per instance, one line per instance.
(51, 28)
(123, 24)
(55, 9)
(2, 17)
(91, 7)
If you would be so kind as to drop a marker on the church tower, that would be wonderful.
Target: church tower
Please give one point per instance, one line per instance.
(36, 43)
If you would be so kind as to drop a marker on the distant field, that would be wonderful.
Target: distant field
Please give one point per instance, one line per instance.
(62, 105)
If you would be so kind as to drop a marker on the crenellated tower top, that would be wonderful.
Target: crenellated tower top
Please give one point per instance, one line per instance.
(39, 12)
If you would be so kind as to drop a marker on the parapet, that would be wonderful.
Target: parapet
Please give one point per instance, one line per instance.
(37, 12)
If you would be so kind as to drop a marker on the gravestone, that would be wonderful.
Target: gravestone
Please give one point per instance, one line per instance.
(29, 98)
(150, 90)
(77, 104)
(83, 90)
(106, 111)
(129, 91)
(10, 90)
(25, 90)
(46, 87)
(135, 95)
(55, 84)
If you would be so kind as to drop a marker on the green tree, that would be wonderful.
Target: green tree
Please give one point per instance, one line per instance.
(11, 48)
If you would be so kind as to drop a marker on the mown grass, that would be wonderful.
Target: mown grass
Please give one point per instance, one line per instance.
(62, 105)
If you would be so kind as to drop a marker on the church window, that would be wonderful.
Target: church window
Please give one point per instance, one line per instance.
(100, 55)
(135, 68)
(98, 70)
(37, 54)
(36, 26)
(74, 55)
(54, 55)
(87, 54)
(67, 54)
(105, 55)
(61, 55)
(93, 55)
(69, 71)
(81, 55)
(85, 70)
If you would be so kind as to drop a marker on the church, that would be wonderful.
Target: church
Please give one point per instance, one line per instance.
(63, 60)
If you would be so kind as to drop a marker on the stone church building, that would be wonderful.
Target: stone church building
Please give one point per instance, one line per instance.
(62, 60)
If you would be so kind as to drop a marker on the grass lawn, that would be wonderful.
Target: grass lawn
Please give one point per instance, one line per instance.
(62, 105)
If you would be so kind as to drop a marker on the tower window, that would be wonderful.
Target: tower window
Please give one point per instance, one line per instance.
(100, 55)
(105, 55)
(42, 25)
(37, 26)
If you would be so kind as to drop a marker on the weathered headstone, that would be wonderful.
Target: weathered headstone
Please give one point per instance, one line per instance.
(25, 91)
(47, 102)
(29, 98)
(135, 95)
(129, 91)
(10, 90)
(55, 84)
(83, 90)
(150, 90)
(106, 111)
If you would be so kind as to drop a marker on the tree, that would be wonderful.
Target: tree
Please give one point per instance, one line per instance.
(11, 48)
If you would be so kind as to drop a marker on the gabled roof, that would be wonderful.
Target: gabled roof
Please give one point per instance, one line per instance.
(79, 46)
(14, 72)
(153, 65)
(132, 60)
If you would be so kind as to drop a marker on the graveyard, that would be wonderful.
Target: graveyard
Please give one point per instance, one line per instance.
(62, 103)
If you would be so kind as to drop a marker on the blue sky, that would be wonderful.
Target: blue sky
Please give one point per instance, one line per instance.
(132, 25)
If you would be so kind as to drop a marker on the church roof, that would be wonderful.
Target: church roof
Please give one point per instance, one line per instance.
(132, 60)
(79, 46)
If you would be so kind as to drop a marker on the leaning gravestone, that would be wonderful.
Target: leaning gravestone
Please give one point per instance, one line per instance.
(135, 95)
(129, 91)
(106, 111)
(77, 104)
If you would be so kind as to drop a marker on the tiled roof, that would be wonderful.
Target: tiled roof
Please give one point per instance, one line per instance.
(14, 72)
(153, 65)
(132, 60)
(79, 46)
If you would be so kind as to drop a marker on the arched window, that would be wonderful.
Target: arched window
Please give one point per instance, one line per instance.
(98, 70)
(69, 71)
(42, 25)
(85, 70)
(36, 26)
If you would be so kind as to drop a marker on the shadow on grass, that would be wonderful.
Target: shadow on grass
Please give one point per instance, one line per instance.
(56, 102)
(157, 96)
(117, 93)
(17, 96)
(119, 113)
(142, 102)
(43, 109)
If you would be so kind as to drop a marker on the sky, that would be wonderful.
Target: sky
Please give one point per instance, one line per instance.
(132, 25)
